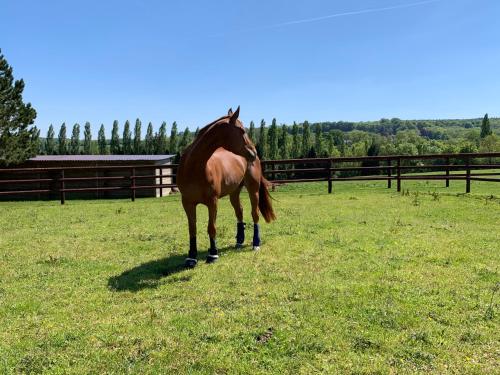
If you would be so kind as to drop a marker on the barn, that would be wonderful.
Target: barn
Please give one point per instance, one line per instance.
(107, 175)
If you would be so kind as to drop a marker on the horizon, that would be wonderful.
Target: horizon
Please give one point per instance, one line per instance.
(349, 61)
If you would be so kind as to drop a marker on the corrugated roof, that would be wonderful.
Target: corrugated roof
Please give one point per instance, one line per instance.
(102, 157)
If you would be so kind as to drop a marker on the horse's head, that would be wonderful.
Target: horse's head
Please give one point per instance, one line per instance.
(236, 138)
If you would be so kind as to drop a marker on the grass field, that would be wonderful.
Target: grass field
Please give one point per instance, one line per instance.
(363, 281)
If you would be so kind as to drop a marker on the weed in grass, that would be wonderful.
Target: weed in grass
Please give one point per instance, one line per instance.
(265, 336)
(435, 196)
(490, 310)
(362, 344)
(416, 200)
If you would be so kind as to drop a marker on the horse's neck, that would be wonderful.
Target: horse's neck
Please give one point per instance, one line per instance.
(200, 151)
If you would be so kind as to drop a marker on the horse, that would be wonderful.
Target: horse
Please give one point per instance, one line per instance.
(219, 162)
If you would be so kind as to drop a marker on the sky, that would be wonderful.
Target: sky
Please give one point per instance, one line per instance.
(189, 61)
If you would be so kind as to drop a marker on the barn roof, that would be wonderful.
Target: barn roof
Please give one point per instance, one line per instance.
(102, 158)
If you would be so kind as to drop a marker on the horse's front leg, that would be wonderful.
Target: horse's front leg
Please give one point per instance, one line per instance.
(238, 210)
(212, 231)
(190, 209)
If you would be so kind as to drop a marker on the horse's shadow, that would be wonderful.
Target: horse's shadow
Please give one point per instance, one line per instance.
(148, 275)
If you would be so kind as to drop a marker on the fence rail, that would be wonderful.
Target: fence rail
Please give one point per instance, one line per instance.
(332, 170)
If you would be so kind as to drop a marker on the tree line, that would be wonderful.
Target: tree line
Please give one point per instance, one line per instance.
(384, 137)
(121, 142)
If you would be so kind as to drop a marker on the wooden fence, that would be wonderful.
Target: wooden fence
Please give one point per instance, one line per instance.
(55, 181)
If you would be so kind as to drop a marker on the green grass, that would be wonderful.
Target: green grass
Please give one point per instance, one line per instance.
(365, 280)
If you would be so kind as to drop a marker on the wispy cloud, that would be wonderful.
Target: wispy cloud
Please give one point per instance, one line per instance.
(334, 15)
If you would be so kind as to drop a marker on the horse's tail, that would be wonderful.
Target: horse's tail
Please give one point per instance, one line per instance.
(265, 204)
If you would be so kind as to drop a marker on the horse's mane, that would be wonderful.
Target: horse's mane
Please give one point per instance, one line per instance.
(203, 131)
(206, 128)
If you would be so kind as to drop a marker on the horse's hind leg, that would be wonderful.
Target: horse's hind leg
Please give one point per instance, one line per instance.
(253, 192)
(238, 210)
(190, 209)
(212, 231)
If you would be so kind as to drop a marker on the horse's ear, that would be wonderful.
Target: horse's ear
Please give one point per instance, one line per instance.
(235, 116)
(230, 112)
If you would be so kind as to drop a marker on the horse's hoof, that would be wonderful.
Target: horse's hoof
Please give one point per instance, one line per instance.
(256, 248)
(238, 246)
(190, 262)
(212, 258)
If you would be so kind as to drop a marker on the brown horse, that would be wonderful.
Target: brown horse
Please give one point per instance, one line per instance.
(220, 161)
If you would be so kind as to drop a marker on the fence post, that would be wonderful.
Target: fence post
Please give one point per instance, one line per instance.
(389, 173)
(330, 185)
(61, 190)
(467, 181)
(132, 184)
(399, 174)
(447, 172)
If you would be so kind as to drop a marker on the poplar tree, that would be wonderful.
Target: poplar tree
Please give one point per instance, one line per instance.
(261, 145)
(295, 141)
(251, 131)
(17, 140)
(137, 137)
(485, 127)
(35, 140)
(101, 140)
(283, 143)
(62, 141)
(161, 140)
(87, 141)
(149, 141)
(173, 139)
(306, 139)
(115, 139)
(127, 139)
(185, 140)
(50, 143)
(272, 137)
(318, 139)
(75, 140)
(196, 132)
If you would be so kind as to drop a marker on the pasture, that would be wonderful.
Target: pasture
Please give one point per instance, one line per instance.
(365, 280)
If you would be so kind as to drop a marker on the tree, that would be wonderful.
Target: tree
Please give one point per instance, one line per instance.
(283, 143)
(306, 139)
(161, 140)
(173, 139)
(485, 127)
(115, 139)
(185, 140)
(63, 148)
(196, 132)
(262, 144)
(251, 131)
(101, 140)
(318, 139)
(50, 144)
(295, 141)
(17, 139)
(75, 140)
(87, 141)
(149, 141)
(36, 140)
(127, 139)
(272, 140)
(137, 137)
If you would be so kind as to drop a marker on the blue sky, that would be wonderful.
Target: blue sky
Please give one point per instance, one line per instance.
(190, 60)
